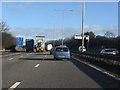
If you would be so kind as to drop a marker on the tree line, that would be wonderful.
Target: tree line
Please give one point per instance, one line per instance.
(7, 40)
(95, 43)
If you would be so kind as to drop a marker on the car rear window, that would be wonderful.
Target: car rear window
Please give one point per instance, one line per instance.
(60, 49)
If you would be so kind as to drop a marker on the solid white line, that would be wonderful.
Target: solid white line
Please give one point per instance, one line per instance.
(37, 65)
(14, 85)
(105, 72)
(10, 58)
(11, 54)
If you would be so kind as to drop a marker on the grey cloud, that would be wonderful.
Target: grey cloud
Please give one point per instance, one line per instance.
(26, 31)
(100, 30)
(32, 32)
(94, 28)
(57, 33)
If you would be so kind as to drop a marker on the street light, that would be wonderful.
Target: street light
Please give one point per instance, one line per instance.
(82, 25)
(63, 16)
(53, 33)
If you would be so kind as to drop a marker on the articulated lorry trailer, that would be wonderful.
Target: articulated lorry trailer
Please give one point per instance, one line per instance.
(40, 43)
(29, 45)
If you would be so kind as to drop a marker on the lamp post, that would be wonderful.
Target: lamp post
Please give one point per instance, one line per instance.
(63, 26)
(53, 33)
(63, 17)
(82, 25)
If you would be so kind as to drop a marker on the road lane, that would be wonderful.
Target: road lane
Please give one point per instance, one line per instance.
(50, 73)
(17, 70)
(57, 74)
(10, 54)
(10, 60)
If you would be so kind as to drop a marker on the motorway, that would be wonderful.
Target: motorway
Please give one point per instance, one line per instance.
(40, 70)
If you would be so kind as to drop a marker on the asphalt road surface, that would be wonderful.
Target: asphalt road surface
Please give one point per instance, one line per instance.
(40, 70)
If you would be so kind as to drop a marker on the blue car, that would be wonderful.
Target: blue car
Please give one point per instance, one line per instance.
(61, 52)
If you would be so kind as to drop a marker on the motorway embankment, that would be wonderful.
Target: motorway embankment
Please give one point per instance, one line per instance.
(109, 63)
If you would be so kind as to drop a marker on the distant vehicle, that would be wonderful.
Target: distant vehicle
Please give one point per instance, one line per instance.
(61, 52)
(40, 43)
(80, 49)
(34, 48)
(109, 51)
(29, 45)
(49, 47)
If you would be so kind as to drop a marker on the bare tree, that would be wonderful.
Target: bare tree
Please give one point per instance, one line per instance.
(91, 34)
(4, 27)
(109, 34)
(6, 39)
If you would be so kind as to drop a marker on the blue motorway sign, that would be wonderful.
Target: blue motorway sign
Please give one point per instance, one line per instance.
(19, 41)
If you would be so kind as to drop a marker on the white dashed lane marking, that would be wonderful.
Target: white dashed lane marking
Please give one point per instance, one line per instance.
(10, 58)
(37, 65)
(10, 54)
(14, 86)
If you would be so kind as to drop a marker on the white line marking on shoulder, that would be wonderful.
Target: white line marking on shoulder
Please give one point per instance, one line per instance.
(105, 72)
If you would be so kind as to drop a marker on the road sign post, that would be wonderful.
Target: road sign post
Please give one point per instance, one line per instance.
(86, 40)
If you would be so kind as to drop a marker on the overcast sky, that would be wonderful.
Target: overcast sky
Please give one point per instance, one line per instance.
(29, 19)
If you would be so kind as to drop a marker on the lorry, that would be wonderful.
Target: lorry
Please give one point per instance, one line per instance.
(29, 44)
(40, 43)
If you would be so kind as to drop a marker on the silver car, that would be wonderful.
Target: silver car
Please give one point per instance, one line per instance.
(109, 51)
